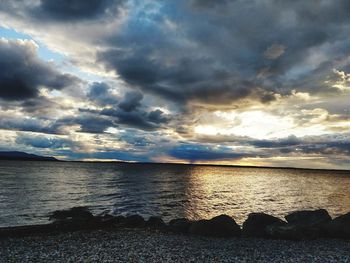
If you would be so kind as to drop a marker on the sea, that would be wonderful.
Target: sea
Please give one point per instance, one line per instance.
(31, 190)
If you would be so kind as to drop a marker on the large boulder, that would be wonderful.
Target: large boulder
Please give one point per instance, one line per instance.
(292, 232)
(302, 225)
(257, 223)
(134, 221)
(155, 222)
(108, 220)
(119, 220)
(179, 225)
(309, 218)
(339, 227)
(219, 226)
(75, 213)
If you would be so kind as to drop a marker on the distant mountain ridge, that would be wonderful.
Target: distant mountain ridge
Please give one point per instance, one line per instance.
(19, 156)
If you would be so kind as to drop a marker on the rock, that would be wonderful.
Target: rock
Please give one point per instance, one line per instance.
(179, 225)
(106, 220)
(106, 217)
(155, 222)
(104, 213)
(219, 226)
(292, 232)
(339, 227)
(75, 213)
(302, 225)
(119, 220)
(256, 223)
(309, 218)
(134, 221)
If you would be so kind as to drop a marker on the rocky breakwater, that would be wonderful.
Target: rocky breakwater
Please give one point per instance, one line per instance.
(299, 225)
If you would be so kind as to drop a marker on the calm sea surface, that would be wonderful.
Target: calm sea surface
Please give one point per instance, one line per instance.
(30, 190)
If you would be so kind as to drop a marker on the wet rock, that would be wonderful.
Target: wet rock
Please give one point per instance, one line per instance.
(179, 225)
(75, 213)
(309, 218)
(134, 221)
(219, 226)
(155, 222)
(256, 224)
(339, 227)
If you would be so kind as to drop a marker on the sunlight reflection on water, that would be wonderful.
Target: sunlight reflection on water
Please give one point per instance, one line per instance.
(30, 190)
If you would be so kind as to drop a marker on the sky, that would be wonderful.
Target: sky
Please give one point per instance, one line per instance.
(241, 82)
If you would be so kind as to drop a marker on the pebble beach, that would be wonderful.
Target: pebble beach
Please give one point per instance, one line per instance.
(140, 245)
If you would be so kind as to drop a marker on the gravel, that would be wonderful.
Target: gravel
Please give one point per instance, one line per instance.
(146, 246)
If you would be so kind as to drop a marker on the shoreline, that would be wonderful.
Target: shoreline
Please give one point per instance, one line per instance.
(298, 225)
(142, 245)
(76, 235)
(186, 164)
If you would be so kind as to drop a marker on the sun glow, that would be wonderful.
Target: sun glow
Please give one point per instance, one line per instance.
(257, 124)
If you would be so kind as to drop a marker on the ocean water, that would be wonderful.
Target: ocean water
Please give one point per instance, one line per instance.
(31, 190)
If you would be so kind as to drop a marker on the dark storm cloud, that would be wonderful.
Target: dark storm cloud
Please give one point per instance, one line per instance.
(189, 79)
(40, 106)
(93, 124)
(209, 3)
(27, 124)
(64, 10)
(143, 120)
(88, 123)
(328, 144)
(100, 92)
(308, 145)
(197, 152)
(154, 141)
(72, 9)
(133, 119)
(134, 138)
(202, 55)
(217, 57)
(278, 143)
(131, 101)
(22, 73)
(325, 146)
(40, 141)
(157, 116)
(216, 52)
(129, 113)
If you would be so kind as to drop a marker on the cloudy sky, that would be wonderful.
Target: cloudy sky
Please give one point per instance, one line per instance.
(249, 82)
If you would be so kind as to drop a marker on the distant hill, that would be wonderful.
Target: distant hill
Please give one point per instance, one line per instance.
(22, 156)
